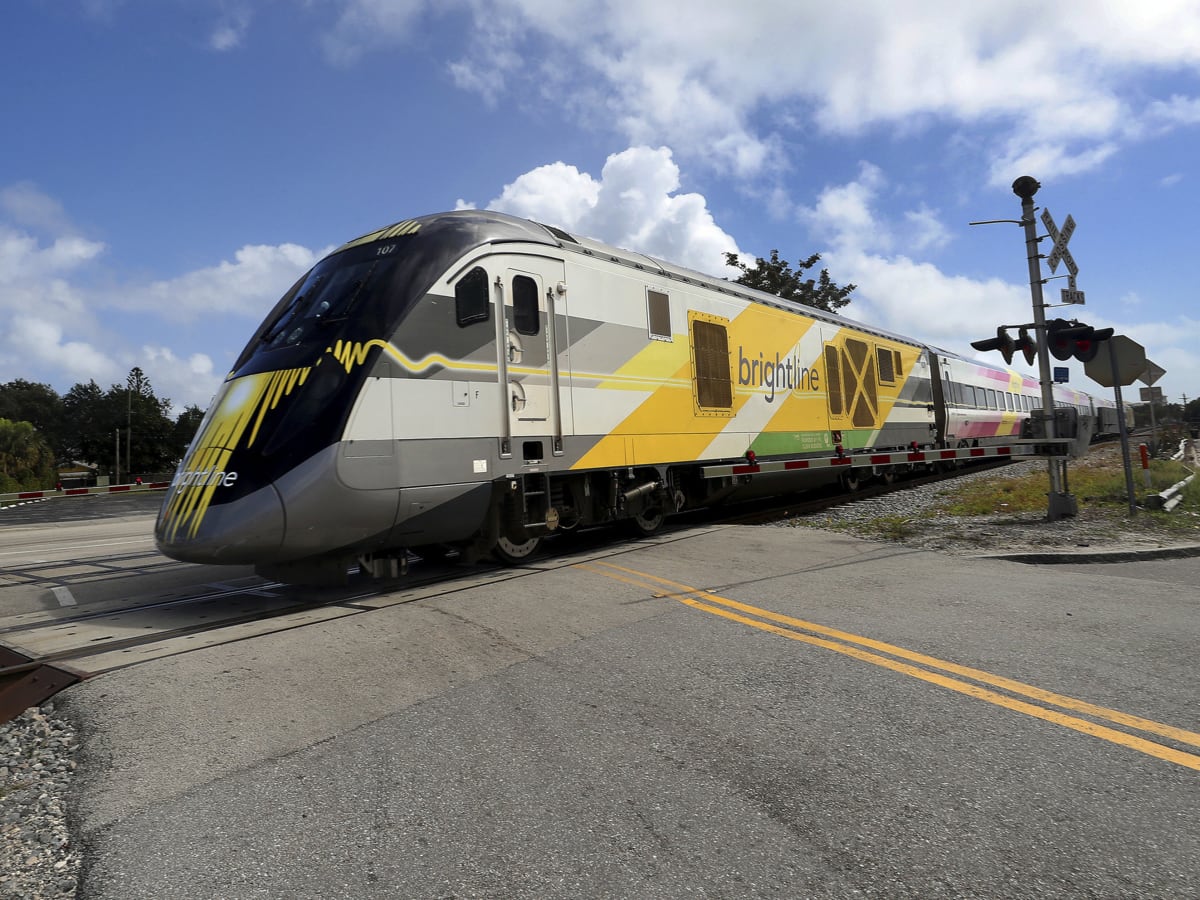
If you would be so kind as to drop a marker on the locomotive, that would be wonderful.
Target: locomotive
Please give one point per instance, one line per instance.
(476, 381)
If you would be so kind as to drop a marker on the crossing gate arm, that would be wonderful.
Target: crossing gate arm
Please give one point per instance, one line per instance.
(865, 460)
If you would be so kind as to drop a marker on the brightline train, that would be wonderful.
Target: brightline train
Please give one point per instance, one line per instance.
(475, 381)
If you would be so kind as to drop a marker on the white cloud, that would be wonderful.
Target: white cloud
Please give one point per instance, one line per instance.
(925, 230)
(190, 382)
(230, 30)
(1061, 85)
(246, 286)
(57, 326)
(365, 25)
(634, 204)
(41, 341)
(845, 211)
(26, 206)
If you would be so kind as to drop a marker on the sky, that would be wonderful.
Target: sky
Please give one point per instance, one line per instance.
(170, 167)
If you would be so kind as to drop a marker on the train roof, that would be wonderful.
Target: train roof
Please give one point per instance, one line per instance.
(475, 228)
(469, 228)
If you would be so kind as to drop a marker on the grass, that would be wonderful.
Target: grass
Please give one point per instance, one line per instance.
(1098, 483)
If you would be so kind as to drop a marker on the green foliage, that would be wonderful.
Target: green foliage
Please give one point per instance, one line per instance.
(126, 430)
(26, 460)
(776, 276)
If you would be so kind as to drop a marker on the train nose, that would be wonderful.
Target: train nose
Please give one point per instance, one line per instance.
(244, 531)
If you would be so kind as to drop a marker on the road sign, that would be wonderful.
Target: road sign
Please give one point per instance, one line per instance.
(1151, 373)
(1060, 238)
(1061, 374)
(1130, 359)
(1151, 395)
(1070, 295)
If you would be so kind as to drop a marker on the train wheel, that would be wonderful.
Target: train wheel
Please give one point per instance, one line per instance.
(850, 481)
(512, 552)
(647, 522)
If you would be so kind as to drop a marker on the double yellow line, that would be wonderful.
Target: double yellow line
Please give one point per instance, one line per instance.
(933, 669)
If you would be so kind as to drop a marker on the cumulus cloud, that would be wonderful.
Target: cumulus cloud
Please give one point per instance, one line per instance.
(33, 339)
(908, 296)
(732, 84)
(58, 325)
(634, 204)
(245, 286)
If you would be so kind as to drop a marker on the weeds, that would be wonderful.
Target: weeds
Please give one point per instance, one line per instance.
(1098, 483)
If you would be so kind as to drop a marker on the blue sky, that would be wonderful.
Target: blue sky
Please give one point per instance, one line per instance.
(170, 167)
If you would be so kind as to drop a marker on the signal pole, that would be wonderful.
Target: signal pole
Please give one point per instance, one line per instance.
(1062, 504)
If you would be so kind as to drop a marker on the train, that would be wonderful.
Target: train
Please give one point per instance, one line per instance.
(475, 382)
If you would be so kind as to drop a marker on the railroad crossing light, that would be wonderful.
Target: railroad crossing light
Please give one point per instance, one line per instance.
(1002, 342)
(1073, 339)
(1027, 346)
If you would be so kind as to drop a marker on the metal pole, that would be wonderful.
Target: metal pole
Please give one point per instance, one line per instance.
(117, 435)
(1153, 427)
(1112, 362)
(129, 432)
(1061, 504)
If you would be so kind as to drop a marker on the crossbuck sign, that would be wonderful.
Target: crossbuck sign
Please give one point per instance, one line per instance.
(1060, 252)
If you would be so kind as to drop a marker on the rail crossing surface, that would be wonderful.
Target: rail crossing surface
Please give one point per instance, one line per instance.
(730, 711)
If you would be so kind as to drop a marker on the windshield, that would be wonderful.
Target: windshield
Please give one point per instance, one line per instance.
(328, 294)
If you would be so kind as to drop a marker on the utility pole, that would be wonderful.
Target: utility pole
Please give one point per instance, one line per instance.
(129, 430)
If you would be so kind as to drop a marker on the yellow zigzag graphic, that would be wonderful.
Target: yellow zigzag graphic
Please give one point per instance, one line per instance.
(239, 408)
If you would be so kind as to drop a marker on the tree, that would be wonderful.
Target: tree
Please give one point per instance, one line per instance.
(38, 404)
(91, 435)
(186, 426)
(126, 430)
(147, 442)
(26, 460)
(775, 276)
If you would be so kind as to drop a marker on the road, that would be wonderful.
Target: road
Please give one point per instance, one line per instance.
(729, 711)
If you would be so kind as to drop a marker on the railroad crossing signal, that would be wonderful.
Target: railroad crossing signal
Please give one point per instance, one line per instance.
(1007, 346)
(1061, 253)
(1066, 339)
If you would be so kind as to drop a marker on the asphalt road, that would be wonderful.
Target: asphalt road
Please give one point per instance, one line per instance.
(730, 712)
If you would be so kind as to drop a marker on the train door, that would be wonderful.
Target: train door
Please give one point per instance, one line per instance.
(528, 296)
(939, 383)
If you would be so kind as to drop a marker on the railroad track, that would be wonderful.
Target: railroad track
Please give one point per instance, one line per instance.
(43, 652)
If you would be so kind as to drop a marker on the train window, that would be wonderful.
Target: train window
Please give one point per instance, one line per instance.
(471, 298)
(328, 294)
(710, 365)
(991, 399)
(833, 375)
(887, 369)
(658, 315)
(525, 305)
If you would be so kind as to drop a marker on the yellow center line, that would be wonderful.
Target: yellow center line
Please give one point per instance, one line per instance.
(695, 597)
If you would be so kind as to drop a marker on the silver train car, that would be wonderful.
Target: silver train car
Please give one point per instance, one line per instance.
(477, 381)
